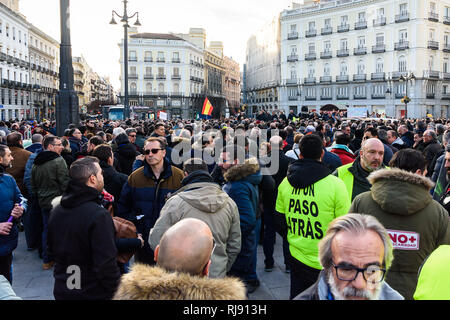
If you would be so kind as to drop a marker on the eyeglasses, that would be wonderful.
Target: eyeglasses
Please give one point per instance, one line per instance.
(57, 144)
(154, 151)
(372, 273)
(132, 135)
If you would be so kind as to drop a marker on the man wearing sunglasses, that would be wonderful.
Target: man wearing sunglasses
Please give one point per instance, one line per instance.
(355, 254)
(145, 192)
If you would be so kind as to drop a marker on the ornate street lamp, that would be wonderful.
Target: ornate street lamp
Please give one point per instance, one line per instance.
(406, 99)
(125, 18)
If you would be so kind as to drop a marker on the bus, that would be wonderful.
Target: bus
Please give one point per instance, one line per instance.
(113, 112)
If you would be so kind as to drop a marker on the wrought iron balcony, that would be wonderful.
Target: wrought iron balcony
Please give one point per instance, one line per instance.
(446, 96)
(176, 77)
(433, 16)
(359, 77)
(432, 74)
(342, 78)
(343, 28)
(326, 97)
(446, 20)
(310, 98)
(149, 76)
(2, 56)
(446, 47)
(160, 77)
(310, 80)
(326, 79)
(446, 75)
(362, 24)
(359, 96)
(133, 77)
(342, 53)
(148, 59)
(397, 74)
(379, 48)
(290, 82)
(360, 51)
(430, 95)
(401, 45)
(292, 35)
(293, 98)
(292, 58)
(378, 76)
(402, 17)
(342, 97)
(434, 45)
(176, 60)
(326, 30)
(161, 60)
(132, 59)
(310, 33)
(326, 55)
(380, 21)
(310, 56)
(378, 96)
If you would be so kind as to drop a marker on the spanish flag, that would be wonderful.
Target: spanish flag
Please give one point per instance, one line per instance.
(207, 107)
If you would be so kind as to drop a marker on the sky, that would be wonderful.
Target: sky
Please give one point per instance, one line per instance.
(229, 21)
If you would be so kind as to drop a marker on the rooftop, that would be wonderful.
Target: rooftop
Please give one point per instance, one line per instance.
(157, 36)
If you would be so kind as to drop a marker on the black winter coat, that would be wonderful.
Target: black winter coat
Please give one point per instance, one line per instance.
(125, 156)
(81, 233)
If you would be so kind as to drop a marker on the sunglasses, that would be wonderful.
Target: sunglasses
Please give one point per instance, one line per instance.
(132, 135)
(154, 151)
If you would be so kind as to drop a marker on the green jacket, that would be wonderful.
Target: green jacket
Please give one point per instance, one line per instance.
(416, 223)
(310, 198)
(49, 178)
(434, 278)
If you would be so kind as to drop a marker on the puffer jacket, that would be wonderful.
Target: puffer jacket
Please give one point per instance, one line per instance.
(9, 195)
(154, 283)
(416, 223)
(143, 196)
(242, 186)
(49, 178)
(202, 199)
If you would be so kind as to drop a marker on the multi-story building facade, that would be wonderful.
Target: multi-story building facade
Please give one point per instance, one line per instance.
(232, 84)
(360, 53)
(79, 78)
(165, 73)
(44, 73)
(262, 78)
(215, 77)
(14, 63)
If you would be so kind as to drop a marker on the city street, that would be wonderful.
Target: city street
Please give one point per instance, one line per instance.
(30, 282)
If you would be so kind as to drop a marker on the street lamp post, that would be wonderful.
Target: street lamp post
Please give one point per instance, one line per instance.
(125, 18)
(67, 110)
(406, 98)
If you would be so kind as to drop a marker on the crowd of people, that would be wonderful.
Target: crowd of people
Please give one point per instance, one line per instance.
(149, 209)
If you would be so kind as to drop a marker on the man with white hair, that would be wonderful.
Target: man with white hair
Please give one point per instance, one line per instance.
(355, 255)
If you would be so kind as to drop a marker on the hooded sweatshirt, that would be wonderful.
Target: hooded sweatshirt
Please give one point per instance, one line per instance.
(416, 223)
(202, 199)
(310, 198)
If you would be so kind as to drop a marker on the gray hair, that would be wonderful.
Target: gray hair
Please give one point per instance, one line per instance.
(446, 137)
(382, 134)
(440, 128)
(37, 138)
(358, 224)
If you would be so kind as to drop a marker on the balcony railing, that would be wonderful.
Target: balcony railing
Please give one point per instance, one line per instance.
(176, 60)
(291, 82)
(292, 58)
(446, 47)
(378, 76)
(432, 74)
(342, 53)
(434, 45)
(397, 74)
(310, 33)
(160, 60)
(160, 77)
(401, 45)
(293, 35)
(326, 79)
(446, 20)
(343, 28)
(326, 55)
(379, 48)
(380, 21)
(310, 98)
(359, 77)
(342, 97)
(326, 30)
(433, 16)
(310, 80)
(378, 96)
(326, 97)
(310, 56)
(132, 59)
(133, 76)
(342, 78)
(430, 95)
(148, 77)
(293, 98)
(360, 51)
(446, 96)
(176, 77)
(446, 75)
(2, 56)
(148, 59)
(402, 17)
(359, 96)
(362, 24)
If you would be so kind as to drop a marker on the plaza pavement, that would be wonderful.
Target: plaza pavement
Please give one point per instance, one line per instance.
(30, 282)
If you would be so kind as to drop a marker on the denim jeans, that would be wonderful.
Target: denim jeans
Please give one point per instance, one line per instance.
(45, 216)
(269, 237)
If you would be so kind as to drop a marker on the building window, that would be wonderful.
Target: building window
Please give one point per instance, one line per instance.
(327, 23)
(361, 17)
(380, 39)
(403, 8)
(361, 42)
(326, 69)
(148, 56)
(344, 44)
(343, 68)
(445, 65)
(161, 87)
(133, 88)
(361, 67)
(402, 66)
(379, 65)
(431, 63)
(148, 88)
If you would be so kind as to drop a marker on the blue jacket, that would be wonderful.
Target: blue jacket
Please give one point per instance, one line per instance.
(27, 174)
(9, 195)
(242, 187)
(143, 196)
(35, 147)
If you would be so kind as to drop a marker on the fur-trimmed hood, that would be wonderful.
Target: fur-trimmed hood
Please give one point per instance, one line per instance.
(399, 191)
(153, 283)
(241, 171)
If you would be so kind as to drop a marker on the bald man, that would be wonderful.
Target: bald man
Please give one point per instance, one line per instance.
(186, 247)
(182, 257)
(355, 174)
